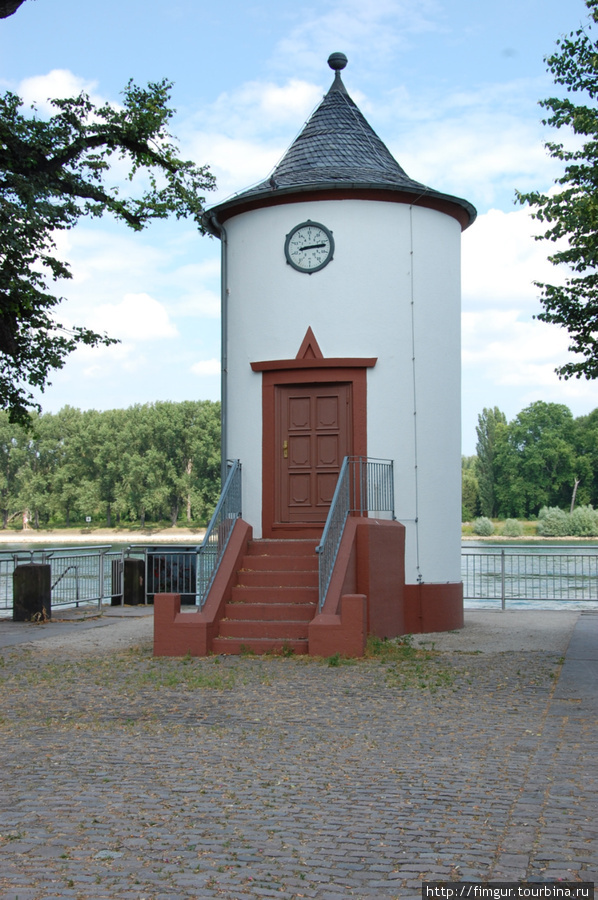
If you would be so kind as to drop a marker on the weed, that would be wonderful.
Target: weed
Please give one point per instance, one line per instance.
(334, 660)
(409, 666)
(397, 649)
(191, 677)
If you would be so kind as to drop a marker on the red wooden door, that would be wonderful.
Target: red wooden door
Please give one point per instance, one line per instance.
(313, 435)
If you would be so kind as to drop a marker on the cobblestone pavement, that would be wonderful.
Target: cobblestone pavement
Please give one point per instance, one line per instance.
(125, 777)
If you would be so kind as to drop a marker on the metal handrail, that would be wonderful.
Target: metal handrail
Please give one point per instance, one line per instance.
(219, 530)
(364, 485)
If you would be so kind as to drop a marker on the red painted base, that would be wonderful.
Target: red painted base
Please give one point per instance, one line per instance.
(433, 607)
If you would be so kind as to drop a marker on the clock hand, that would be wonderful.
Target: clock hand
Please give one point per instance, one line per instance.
(311, 247)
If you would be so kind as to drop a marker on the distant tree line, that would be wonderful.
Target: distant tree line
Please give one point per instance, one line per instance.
(542, 458)
(147, 463)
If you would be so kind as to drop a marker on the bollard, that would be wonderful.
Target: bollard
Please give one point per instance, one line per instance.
(134, 582)
(32, 593)
(132, 572)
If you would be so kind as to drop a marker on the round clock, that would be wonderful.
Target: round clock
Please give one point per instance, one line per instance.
(309, 247)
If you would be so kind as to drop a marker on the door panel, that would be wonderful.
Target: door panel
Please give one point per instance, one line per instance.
(312, 436)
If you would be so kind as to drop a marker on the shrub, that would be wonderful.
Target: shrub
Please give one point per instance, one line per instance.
(554, 522)
(512, 528)
(483, 526)
(584, 522)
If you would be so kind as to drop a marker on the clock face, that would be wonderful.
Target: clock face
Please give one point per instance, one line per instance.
(309, 247)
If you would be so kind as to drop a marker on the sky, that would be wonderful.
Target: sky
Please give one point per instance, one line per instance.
(450, 86)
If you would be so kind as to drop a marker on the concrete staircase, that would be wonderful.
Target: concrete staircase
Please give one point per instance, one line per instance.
(273, 601)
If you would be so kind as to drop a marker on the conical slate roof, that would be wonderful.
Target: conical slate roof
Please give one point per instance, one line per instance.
(337, 149)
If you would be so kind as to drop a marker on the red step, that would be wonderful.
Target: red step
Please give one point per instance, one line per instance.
(290, 612)
(275, 563)
(248, 629)
(273, 601)
(258, 646)
(270, 547)
(257, 594)
(277, 579)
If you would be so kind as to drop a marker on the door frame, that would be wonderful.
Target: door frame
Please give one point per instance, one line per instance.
(305, 371)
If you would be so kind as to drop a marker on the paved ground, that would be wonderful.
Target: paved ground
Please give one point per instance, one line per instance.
(129, 777)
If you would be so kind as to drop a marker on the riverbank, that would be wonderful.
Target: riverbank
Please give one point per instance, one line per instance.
(179, 535)
(68, 536)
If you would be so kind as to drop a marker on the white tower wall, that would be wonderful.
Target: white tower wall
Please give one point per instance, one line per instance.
(392, 291)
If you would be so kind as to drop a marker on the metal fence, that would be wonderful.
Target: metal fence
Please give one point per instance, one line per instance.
(170, 570)
(77, 575)
(512, 574)
(364, 485)
(498, 576)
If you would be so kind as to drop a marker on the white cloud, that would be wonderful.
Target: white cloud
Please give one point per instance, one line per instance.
(96, 253)
(259, 105)
(504, 343)
(236, 163)
(206, 367)
(57, 84)
(138, 317)
(483, 155)
(501, 260)
(243, 134)
(353, 26)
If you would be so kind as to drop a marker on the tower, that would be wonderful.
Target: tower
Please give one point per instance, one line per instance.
(341, 288)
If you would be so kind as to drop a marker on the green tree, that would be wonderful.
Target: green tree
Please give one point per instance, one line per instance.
(586, 442)
(12, 455)
(491, 431)
(470, 489)
(571, 213)
(538, 464)
(53, 172)
(37, 471)
(65, 429)
(106, 451)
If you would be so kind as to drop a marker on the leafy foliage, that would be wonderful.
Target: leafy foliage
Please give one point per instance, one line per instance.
(9, 7)
(491, 429)
(470, 489)
(512, 528)
(483, 526)
(553, 522)
(541, 458)
(571, 213)
(538, 461)
(145, 463)
(52, 173)
(584, 522)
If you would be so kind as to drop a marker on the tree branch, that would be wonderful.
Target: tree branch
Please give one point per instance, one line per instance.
(9, 7)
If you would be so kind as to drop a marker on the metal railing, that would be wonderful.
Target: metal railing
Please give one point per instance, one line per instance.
(167, 569)
(364, 485)
(170, 570)
(228, 510)
(509, 574)
(77, 574)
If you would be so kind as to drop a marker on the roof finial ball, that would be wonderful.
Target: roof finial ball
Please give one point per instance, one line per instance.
(337, 61)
